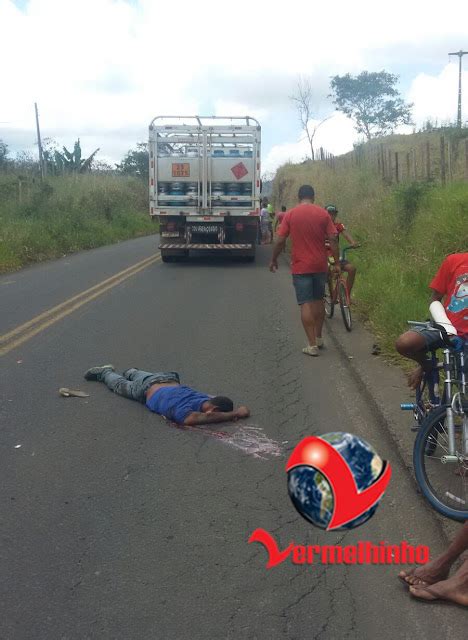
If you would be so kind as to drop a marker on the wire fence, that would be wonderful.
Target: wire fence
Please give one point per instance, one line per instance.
(439, 159)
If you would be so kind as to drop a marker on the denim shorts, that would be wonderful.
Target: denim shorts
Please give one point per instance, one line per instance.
(309, 286)
(431, 338)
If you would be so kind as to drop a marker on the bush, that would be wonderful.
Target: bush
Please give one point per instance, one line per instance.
(405, 231)
(67, 214)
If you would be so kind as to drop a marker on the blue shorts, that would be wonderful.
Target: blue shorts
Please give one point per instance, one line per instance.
(309, 286)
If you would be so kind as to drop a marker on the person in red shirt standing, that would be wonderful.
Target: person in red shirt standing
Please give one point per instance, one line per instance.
(308, 226)
(279, 217)
(450, 284)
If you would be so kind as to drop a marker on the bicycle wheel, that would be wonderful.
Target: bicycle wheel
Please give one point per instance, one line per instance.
(344, 305)
(444, 485)
(329, 303)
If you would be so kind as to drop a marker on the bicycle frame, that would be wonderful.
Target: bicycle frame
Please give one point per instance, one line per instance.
(340, 278)
(453, 363)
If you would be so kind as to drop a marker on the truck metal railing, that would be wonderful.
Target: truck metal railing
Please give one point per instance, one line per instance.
(200, 119)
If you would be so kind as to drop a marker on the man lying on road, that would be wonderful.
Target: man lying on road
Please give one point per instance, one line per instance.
(432, 581)
(163, 394)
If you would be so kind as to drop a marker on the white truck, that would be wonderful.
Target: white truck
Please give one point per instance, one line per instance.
(204, 184)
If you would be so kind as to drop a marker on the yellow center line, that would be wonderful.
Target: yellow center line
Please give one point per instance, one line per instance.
(47, 318)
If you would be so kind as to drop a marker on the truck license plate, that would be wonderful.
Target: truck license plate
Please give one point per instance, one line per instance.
(205, 228)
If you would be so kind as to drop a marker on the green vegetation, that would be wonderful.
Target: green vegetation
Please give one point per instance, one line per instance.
(40, 220)
(372, 101)
(59, 163)
(406, 230)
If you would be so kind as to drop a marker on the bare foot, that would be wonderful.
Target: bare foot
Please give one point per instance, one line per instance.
(415, 377)
(430, 573)
(455, 589)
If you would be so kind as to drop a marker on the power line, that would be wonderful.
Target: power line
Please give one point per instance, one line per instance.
(460, 55)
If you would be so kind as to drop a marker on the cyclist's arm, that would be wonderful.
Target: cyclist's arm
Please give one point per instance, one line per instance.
(349, 238)
(334, 248)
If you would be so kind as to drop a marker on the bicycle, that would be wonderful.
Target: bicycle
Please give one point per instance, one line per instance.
(337, 292)
(440, 452)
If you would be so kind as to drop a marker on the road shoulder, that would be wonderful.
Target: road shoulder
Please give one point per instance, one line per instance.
(384, 387)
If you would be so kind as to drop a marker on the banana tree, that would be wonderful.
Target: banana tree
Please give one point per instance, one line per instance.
(71, 161)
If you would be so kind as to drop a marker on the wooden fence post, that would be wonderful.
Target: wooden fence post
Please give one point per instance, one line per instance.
(442, 160)
(449, 160)
(382, 159)
(397, 172)
(415, 168)
(466, 158)
(428, 161)
(408, 167)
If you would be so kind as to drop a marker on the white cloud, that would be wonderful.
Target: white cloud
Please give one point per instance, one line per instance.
(101, 69)
(335, 135)
(435, 97)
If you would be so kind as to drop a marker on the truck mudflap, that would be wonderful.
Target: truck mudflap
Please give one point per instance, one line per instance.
(198, 247)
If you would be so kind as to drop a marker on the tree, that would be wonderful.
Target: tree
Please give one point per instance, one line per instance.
(3, 154)
(303, 99)
(135, 162)
(67, 162)
(372, 101)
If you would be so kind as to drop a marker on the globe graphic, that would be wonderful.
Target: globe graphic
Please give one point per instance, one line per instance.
(311, 493)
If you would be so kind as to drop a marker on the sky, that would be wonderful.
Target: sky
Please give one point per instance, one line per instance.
(100, 70)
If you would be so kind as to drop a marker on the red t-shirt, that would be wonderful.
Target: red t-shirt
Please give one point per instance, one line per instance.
(309, 226)
(452, 281)
(280, 216)
(339, 226)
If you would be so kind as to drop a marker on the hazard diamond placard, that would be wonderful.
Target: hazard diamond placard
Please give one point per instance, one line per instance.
(239, 170)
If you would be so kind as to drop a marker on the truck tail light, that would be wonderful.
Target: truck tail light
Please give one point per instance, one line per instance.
(239, 226)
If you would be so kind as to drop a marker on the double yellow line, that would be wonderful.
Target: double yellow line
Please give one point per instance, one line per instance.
(28, 330)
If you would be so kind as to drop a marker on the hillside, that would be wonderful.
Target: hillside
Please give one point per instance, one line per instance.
(406, 228)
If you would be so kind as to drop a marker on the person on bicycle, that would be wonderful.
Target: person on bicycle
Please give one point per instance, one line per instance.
(450, 284)
(341, 230)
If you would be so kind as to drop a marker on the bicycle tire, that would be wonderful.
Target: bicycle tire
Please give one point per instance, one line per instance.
(329, 305)
(344, 306)
(421, 446)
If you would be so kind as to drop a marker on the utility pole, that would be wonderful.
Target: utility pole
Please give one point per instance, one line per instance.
(39, 144)
(460, 55)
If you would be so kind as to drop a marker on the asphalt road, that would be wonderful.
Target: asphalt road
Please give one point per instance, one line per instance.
(115, 525)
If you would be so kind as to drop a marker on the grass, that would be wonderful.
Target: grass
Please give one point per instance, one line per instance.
(406, 231)
(66, 214)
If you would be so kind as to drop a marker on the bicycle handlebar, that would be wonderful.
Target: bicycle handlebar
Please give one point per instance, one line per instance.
(348, 248)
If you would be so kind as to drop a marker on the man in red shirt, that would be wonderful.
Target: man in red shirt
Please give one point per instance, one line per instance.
(279, 217)
(451, 285)
(309, 226)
